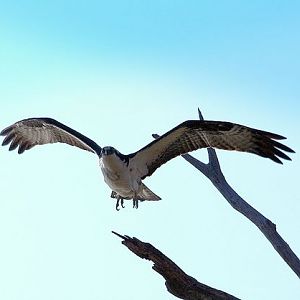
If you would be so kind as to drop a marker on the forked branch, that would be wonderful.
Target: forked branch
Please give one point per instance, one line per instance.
(213, 172)
(182, 285)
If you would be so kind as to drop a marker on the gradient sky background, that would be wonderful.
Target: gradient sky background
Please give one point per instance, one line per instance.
(119, 71)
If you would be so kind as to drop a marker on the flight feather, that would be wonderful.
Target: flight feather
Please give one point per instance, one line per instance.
(28, 133)
(195, 134)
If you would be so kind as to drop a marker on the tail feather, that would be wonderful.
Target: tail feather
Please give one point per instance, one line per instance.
(147, 194)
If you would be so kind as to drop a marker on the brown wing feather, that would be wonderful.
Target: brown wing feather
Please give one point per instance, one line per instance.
(28, 133)
(194, 134)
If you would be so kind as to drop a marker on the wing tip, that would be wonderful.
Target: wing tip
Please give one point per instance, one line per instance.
(277, 160)
(274, 136)
(6, 131)
(278, 155)
(274, 149)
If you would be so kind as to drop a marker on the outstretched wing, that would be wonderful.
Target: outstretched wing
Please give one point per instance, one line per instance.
(195, 134)
(28, 133)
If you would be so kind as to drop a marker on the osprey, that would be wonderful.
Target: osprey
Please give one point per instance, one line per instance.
(124, 173)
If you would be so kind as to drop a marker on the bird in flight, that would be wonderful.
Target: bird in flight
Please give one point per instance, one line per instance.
(124, 173)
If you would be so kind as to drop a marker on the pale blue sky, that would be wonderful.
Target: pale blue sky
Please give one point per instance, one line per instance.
(119, 71)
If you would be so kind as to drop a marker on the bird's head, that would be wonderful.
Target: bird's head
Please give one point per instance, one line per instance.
(108, 150)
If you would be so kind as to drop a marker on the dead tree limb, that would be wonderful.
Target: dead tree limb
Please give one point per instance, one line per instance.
(213, 172)
(186, 287)
(177, 282)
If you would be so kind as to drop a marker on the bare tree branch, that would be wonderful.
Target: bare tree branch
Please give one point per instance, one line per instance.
(177, 282)
(213, 172)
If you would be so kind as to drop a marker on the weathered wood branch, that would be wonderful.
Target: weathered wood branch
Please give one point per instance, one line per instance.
(186, 287)
(177, 282)
(213, 172)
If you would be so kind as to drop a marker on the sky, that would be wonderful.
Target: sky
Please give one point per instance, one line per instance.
(118, 71)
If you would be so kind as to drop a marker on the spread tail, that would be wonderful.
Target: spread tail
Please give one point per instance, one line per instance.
(147, 194)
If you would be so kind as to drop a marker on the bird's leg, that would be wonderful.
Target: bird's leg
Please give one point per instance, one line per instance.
(135, 203)
(113, 194)
(119, 200)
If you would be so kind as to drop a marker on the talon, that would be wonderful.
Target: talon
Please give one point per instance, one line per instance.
(120, 200)
(117, 205)
(135, 203)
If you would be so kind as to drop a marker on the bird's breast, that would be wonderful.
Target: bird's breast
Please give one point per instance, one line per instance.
(112, 170)
(119, 177)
